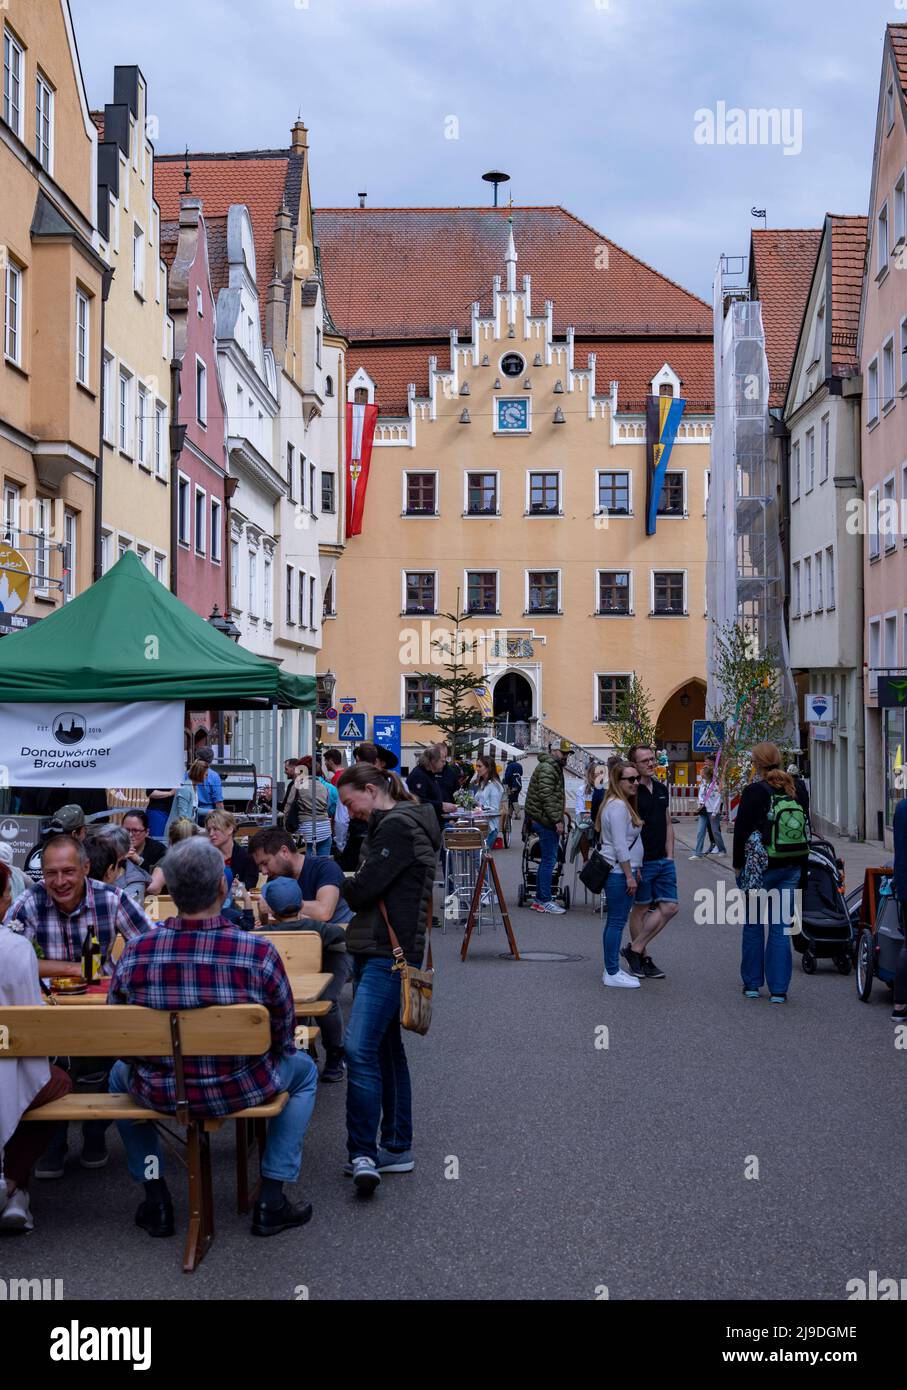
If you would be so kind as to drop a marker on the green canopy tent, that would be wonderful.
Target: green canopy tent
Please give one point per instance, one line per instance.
(127, 638)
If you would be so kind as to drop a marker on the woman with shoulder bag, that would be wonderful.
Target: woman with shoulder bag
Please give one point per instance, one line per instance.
(391, 896)
(619, 825)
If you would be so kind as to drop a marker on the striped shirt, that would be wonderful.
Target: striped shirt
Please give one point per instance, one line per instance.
(190, 965)
(61, 935)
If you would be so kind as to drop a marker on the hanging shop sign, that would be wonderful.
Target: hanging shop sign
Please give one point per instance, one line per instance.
(94, 745)
(15, 580)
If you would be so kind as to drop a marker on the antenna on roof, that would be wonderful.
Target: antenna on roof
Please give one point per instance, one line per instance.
(362, 197)
(187, 172)
(496, 177)
(763, 213)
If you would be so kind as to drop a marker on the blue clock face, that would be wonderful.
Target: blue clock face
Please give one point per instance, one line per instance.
(513, 415)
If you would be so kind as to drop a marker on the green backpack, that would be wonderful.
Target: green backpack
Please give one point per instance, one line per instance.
(786, 836)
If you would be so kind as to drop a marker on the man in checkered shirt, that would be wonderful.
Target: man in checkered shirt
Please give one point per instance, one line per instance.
(193, 961)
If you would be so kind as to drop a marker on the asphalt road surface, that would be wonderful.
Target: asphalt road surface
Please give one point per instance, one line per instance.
(549, 1165)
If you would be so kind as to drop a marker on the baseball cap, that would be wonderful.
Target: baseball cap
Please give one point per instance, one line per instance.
(66, 820)
(282, 894)
(205, 753)
(565, 745)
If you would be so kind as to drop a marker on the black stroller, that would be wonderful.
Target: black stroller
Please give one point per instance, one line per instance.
(827, 927)
(532, 854)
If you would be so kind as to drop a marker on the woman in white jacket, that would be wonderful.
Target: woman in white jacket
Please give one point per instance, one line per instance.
(489, 794)
(709, 796)
(620, 825)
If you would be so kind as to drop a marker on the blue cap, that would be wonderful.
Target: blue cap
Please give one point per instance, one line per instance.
(282, 895)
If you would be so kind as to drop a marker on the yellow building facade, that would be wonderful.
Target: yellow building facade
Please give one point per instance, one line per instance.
(515, 486)
(51, 281)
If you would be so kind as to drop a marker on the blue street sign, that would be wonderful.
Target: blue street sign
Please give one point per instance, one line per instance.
(386, 732)
(352, 728)
(708, 735)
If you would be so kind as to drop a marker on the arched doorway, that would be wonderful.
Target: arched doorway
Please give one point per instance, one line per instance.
(512, 703)
(675, 725)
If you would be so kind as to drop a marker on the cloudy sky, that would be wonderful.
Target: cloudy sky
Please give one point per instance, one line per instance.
(588, 103)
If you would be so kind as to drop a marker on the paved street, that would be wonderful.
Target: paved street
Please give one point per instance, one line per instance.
(578, 1167)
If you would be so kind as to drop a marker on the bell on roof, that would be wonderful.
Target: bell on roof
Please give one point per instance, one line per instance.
(527, 384)
(486, 361)
(464, 417)
(537, 360)
(558, 387)
(559, 418)
(464, 389)
(497, 384)
(511, 332)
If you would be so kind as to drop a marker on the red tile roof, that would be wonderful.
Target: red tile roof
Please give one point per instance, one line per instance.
(261, 179)
(898, 35)
(848, 253)
(782, 263)
(415, 272)
(98, 118)
(170, 235)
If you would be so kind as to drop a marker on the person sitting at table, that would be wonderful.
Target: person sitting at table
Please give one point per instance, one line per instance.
(59, 915)
(283, 896)
(182, 829)
(130, 876)
(221, 827)
(143, 850)
(25, 1082)
(193, 961)
(103, 861)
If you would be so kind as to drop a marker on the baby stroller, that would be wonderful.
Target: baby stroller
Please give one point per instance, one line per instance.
(827, 930)
(532, 854)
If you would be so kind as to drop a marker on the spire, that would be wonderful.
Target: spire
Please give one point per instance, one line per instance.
(511, 257)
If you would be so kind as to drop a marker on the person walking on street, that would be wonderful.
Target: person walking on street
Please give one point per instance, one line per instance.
(899, 1011)
(656, 897)
(775, 806)
(545, 803)
(393, 885)
(619, 826)
(709, 797)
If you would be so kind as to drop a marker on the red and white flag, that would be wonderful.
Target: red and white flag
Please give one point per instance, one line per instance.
(360, 434)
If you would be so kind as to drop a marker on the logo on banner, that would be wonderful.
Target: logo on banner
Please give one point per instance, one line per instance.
(69, 728)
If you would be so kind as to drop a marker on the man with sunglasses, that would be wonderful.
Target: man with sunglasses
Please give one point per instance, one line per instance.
(656, 897)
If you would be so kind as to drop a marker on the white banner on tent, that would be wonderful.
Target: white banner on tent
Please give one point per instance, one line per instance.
(92, 745)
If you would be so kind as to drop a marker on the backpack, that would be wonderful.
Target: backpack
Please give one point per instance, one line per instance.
(786, 835)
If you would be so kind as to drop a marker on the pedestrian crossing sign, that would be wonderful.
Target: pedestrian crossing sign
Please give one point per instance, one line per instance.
(708, 735)
(352, 728)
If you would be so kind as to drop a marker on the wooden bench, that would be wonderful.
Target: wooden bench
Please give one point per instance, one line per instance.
(126, 1030)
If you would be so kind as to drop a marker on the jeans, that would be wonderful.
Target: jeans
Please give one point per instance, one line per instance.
(493, 833)
(548, 843)
(619, 904)
(770, 961)
(705, 825)
(378, 1090)
(322, 847)
(283, 1151)
(340, 966)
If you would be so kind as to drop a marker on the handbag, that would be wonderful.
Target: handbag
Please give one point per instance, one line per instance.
(594, 873)
(415, 984)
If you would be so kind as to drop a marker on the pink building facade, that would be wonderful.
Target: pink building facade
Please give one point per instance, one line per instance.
(199, 562)
(883, 430)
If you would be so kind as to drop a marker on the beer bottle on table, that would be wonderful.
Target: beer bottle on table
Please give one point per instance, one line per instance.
(91, 956)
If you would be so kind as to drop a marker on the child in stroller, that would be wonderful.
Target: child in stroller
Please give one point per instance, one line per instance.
(826, 928)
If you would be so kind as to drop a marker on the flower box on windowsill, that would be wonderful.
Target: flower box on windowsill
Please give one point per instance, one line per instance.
(669, 613)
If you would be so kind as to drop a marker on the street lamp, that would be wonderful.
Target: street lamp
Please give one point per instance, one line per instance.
(223, 623)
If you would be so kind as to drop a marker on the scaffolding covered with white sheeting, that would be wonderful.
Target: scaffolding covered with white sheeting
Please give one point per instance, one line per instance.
(745, 577)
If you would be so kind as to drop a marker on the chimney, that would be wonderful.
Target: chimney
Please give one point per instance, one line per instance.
(190, 208)
(362, 197)
(283, 242)
(276, 319)
(299, 137)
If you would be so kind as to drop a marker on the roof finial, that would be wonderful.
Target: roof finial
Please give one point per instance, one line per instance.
(187, 172)
(511, 257)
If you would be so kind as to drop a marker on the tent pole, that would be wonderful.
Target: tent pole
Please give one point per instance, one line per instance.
(273, 761)
(314, 734)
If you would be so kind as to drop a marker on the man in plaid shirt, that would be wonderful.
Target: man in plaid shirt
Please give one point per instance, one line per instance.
(190, 962)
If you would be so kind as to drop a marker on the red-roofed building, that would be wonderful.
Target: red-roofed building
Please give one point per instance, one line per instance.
(509, 466)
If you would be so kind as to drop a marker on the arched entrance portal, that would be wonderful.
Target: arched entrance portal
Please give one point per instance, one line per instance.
(675, 723)
(512, 705)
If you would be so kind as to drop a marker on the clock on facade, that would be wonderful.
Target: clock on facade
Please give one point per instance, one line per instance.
(512, 364)
(513, 415)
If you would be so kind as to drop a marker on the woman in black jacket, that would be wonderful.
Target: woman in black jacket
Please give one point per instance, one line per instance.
(769, 961)
(425, 782)
(398, 871)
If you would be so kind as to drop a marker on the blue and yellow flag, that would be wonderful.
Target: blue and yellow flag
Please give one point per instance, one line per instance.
(663, 416)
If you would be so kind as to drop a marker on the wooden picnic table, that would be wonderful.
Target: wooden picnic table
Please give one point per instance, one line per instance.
(307, 990)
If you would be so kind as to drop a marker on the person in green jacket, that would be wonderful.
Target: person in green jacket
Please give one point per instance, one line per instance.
(545, 803)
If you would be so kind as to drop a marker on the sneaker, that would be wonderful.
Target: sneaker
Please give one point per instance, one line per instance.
(94, 1155)
(695, 856)
(17, 1217)
(777, 999)
(634, 961)
(389, 1162)
(52, 1163)
(548, 907)
(365, 1176)
(334, 1069)
(650, 970)
(716, 851)
(899, 1016)
(620, 980)
(751, 994)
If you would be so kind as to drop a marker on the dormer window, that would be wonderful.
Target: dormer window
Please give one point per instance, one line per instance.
(666, 389)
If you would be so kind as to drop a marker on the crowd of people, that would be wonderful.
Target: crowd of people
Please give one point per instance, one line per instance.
(355, 861)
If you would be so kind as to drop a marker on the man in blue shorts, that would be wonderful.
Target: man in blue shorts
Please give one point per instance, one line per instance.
(656, 896)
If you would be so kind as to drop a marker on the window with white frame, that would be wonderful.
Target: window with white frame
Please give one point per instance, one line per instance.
(124, 545)
(888, 513)
(807, 587)
(819, 604)
(328, 504)
(481, 591)
(543, 494)
(138, 259)
(872, 523)
(890, 642)
(108, 398)
(44, 122)
(810, 460)
(159, 571)
(543, 591)
(12, 314)
(795, 471)
(882, 239)
(328, 609)
(302, 580)
(708, 482)
(418, 697)
(825, 430)
(419, 591)
(13, 68)
(609, 691)
(875, 653)
(234, 573)
(266, 585)
(124, 434)
(83, 310)
(142, 425)
(216, 511)
(11, 496)
(830, 576)
(613, 597)
(313, 472)
(900, 208)
(795, 590)
(481, 494)
(288, 595)
(872, 392)
(201, 520)
(183, 519)
(888, 374)
(420, 494)
(614, 493)
(669, 593)
(144, 554)
(41, 542)
(199, 302)
(313, 602)
(672, 501)
(201, 392)
(253, 582)
(160, 436)
(106, 545)
(291, 469)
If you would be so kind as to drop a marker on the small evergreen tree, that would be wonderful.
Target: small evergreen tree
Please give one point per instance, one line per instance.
(633, 721)
(457, 712)
(751, 704)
